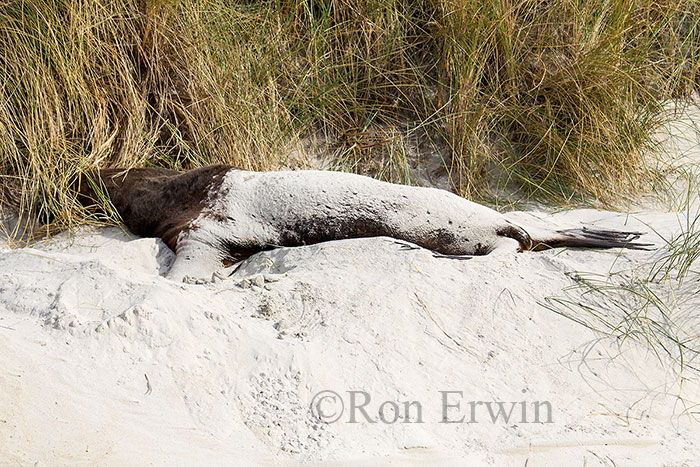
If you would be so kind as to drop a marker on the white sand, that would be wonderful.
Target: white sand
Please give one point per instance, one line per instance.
(232, 365)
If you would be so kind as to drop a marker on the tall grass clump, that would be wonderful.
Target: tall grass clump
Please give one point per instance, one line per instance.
(570, 91)
(125, 83)
(558, 97)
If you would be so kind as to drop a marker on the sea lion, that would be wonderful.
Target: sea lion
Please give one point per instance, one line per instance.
(217, 214)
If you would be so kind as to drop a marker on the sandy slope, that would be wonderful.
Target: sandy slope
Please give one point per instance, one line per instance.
(233, 364)
(106, 362)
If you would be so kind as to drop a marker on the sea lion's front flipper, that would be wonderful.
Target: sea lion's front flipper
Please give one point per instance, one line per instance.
(195, 260)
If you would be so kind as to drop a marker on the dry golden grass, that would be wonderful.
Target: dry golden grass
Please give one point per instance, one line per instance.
(561, 96)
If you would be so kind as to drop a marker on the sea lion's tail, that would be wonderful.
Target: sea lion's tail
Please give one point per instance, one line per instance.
(588, 238)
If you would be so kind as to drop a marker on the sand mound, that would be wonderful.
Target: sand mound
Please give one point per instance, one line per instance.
(108, 362)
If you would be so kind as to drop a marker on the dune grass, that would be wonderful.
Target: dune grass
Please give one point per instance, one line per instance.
(560, 98)
(654, 304)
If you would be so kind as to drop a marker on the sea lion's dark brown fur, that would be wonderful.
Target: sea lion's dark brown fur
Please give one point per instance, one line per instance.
(154, 202)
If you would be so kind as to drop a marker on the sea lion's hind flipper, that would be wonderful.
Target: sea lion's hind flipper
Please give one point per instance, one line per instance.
(590, 238)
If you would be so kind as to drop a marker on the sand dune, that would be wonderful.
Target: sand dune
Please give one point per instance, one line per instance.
(106, 362)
